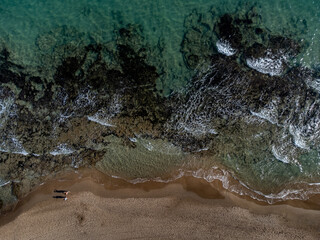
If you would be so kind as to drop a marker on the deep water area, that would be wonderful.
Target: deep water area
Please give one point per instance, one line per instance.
(224, 91)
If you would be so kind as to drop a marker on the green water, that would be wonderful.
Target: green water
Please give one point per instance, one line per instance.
(22, 22)
(36, 34)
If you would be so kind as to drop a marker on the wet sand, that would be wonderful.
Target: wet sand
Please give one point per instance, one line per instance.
(100, 207)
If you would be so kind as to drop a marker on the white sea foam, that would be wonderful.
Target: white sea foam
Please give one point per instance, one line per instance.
(224, 47)
(265, 114)
(12, 145)
(6, 106)
(62, 149)
(283, 149)
(105, 116)
(85, 99)
(4, 182)
(305, 130)
(196, 127)
(278, 155)
(241, 188)
(133, 139)
(196, 116)
(76, 161)
(269, 112)
(314, 184)
(285, 194)
(232, 184)
(148, 145)
(98, 119)
(202, 149)
(159, 146)
(270, 64)
(315, 84)
(62, 96)
(213, 174)
(190, 120)
(298, 138)
(266, 66)
(64, 116)
(216, 174)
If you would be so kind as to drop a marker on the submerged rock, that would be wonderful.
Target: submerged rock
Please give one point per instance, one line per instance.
(274, 58)
(199, 38)
(249, 105)
(242, 35)
(85, 87)
(238, 115)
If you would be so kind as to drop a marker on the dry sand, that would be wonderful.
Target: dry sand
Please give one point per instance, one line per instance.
(94, 210)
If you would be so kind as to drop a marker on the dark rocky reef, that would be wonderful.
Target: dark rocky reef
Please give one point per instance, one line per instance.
(226, 87)
(241, 34)
(258, 125)
(131, 80)
(199, 39)
(247, 88)
(50, 112)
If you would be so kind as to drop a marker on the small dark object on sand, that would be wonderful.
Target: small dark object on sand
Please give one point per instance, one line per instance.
(60, 197)
(61, 191)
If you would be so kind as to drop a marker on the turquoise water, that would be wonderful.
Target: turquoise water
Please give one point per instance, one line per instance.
(22, 22)
(267, 156)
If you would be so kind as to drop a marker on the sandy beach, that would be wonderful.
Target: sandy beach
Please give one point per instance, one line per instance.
(99, 207)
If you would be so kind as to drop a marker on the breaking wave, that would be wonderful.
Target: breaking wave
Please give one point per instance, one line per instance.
(224, 47)
(270, 64)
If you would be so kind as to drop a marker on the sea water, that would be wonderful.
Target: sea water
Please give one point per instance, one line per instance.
(35, 33)
(23, 21)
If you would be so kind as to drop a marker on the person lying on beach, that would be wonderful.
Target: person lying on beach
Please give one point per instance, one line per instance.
(65, 198)
(61, 191)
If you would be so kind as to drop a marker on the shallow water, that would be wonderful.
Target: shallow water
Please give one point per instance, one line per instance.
(22, 22)
(269, 150)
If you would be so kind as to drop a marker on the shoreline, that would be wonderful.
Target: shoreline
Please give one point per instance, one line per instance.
(198, 186)
(96, 185)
